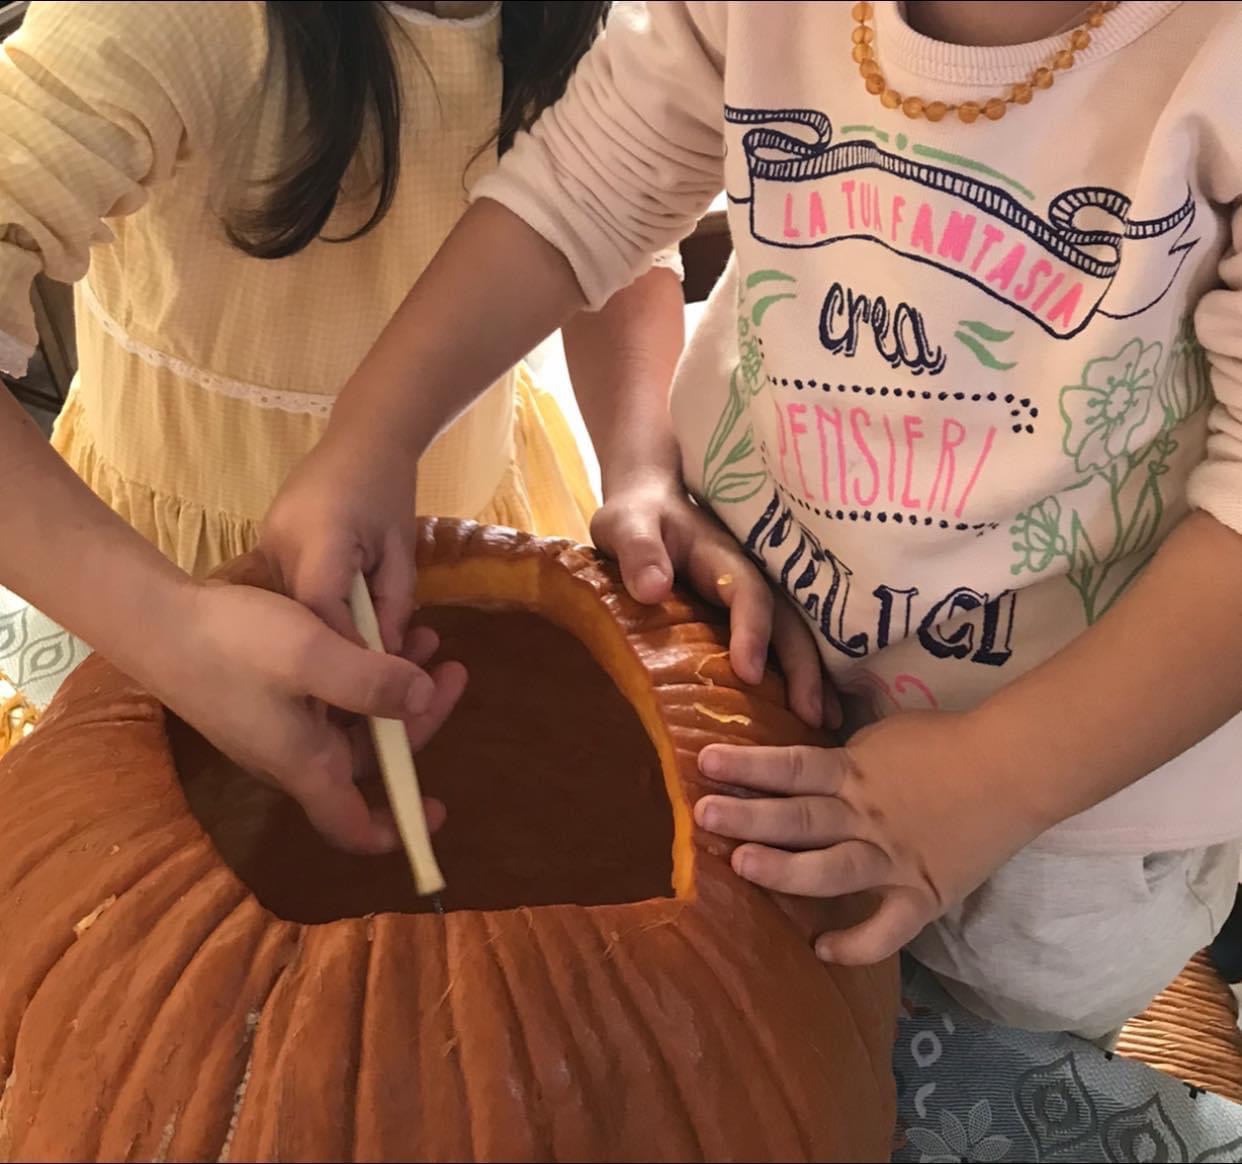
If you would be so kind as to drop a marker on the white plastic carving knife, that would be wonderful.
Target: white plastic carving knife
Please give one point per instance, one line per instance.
(396, 762)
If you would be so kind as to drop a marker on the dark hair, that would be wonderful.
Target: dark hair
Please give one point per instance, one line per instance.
(340, 60)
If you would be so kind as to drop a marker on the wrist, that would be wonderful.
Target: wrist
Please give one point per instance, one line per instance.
(1021, 764)
(656, 464)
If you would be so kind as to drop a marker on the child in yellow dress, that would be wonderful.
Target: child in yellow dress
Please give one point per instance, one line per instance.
(243, 193)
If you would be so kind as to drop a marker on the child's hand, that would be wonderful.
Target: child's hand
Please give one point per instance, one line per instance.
(915, 809)
(341, 511)
(256, 673)
(656, 532)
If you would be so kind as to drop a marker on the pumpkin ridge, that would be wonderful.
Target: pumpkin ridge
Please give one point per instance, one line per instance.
(56, 845)
(46, 1063)
(644, 1027)
(593, 984)
(551, 1010)
(128, 1069)
(540, 1130)
(358, 1042)
(8, 1049)
(116, 1072)
(764, 1053)
(241, 1092)
(452, 960)
(223, 981)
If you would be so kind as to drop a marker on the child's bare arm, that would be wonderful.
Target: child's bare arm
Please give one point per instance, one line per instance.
(922, 807)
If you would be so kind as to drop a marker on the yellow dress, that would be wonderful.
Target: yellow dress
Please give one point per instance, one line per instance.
(205, 374)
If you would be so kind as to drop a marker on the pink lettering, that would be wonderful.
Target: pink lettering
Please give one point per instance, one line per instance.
(956, 236)
(952, 435)
(1040, 270)
(983, 456)
(818, 224)
(921, 235)
(895, 215)
(847, 188)
(912, 426)
(858, 415)
(791, 231)
(991, 236)
(892, 459)
(1066, 306)
(824, 418)
(1047, 291)
(1004, 271)
(797, 429)
(782, 441)
(875, 210)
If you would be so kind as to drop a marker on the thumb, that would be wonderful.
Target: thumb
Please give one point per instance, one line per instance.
(897, 921)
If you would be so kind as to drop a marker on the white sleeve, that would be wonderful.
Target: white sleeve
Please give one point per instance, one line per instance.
(626, 163)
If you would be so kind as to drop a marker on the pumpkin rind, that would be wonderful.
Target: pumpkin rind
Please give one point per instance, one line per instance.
(183, 1021)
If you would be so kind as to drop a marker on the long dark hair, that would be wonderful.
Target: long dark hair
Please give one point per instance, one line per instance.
(340, 60)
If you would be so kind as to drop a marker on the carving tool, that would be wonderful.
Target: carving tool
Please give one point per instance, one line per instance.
(396, 762)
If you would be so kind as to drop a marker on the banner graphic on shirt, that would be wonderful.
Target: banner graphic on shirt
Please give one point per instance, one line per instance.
(806, 191)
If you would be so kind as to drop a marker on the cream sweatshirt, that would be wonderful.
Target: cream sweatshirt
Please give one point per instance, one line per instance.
(960, 380)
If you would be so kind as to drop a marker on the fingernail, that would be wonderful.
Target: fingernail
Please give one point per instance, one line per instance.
(708, 814)
(823, 950)
(386, 836)
(650, 578)
(743, 863)
(710, 763)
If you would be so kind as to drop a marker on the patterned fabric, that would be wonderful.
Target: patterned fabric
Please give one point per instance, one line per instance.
(968, 1090)
(36, 655)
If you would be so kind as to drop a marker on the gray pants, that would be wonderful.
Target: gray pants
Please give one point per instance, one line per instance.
(1078, 942)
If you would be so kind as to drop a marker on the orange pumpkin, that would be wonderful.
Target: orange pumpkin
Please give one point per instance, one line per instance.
(188, 973)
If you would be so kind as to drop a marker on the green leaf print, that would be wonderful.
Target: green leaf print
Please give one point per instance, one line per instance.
(734, 487)
(1119, 420)
(767, 276)
(725, 425)
(984, 332)
(981, 353)
(761, 306)
(730, 472)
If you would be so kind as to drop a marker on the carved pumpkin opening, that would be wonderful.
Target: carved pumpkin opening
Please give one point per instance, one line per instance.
(555, 792)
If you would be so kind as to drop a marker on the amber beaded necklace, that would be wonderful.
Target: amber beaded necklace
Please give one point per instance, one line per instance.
(969, 111)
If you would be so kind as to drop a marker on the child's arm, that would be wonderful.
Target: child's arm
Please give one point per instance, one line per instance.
(922, 807)
(619, 169)
(621, 360)
(97, 106)
(195, 646)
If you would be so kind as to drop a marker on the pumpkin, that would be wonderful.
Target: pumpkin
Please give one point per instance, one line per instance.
(187, 972)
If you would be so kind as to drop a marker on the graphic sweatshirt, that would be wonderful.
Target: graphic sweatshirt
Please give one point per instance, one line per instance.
(960, 380)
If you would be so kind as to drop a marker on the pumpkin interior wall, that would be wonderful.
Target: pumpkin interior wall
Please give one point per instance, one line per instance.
(555, 793)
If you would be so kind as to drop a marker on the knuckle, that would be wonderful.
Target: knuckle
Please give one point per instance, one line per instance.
(800, 762)
(805, 817)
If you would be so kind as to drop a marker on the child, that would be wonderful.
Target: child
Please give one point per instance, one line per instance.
(952, 396)
(254, 186)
